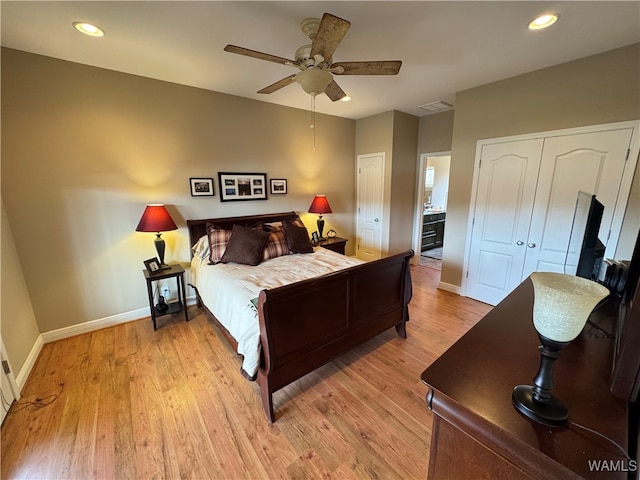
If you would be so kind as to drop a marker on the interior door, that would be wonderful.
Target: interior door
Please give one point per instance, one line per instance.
(370, 202)
(593, 163)
(504, 201)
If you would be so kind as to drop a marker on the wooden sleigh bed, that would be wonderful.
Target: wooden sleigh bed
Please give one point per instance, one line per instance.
(306, 324)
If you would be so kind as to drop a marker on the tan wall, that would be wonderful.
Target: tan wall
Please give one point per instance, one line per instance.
(18, 322)
(84, 149)
(375, 135)
(403, 181)
(593, 90)
(396, 135)
(436, 132)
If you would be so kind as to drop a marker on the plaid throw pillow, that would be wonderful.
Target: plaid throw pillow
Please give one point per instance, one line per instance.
(218, 240)
(276, 246)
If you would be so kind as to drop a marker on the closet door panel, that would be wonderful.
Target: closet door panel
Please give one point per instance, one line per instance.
(504, 201)
(593, 163)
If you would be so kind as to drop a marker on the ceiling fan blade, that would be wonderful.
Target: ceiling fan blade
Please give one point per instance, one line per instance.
(279, 84)
(334, 92)
(259, 55)
(331, 31)
(368, 68)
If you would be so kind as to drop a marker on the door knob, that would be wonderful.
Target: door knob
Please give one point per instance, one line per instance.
(531, 245)
(375, 219)
(519, 243)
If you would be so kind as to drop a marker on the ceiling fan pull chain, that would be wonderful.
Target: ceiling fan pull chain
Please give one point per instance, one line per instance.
(313, 119)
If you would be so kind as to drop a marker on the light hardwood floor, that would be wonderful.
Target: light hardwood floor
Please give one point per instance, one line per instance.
(134, 403)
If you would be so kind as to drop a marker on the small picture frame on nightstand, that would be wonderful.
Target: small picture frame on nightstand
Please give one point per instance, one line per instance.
(315, 238)
(153, 266)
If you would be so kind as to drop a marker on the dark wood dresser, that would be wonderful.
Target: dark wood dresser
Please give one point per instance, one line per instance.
(477, 433)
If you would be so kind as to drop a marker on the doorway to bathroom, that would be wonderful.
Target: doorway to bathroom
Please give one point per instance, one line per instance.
(431, 208)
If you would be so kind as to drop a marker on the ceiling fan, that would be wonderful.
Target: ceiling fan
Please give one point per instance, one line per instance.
(315, 60)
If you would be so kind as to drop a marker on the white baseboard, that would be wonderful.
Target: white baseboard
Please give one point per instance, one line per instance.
(100, 323)
(73, 330)
(24, 372)
(93, 325)
(448, 287)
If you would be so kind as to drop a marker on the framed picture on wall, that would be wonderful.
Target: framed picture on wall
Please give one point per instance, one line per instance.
(201, 187)
(278, 186)
(242, 186)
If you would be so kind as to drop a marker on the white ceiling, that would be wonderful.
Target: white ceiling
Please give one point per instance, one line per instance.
(445, 47)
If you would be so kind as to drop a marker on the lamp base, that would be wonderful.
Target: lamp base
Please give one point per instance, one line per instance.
(320, 227)
(552, 412)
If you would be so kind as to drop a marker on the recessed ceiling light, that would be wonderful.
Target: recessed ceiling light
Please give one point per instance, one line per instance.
(88, 29)
(543, 21)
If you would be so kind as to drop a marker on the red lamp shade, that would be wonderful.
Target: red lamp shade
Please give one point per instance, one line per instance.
(156, 218)
(320, 205)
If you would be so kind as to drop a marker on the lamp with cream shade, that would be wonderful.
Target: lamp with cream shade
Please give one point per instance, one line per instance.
(562, 304)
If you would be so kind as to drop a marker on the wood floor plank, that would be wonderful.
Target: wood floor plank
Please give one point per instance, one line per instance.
(129, 402)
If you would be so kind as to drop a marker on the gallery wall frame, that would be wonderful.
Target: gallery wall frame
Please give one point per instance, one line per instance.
(201, 187)
(278, 186)
(236, 186)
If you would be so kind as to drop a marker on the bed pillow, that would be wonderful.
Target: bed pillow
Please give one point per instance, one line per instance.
(218, 240)
(297, 238)
(297, 222)
(245, 246)
(201, 248)
(272, 227)
(276, 245)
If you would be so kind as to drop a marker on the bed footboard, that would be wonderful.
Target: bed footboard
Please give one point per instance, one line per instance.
(307, 324)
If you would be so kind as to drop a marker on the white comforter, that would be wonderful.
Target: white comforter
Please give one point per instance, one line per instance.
(227, 291)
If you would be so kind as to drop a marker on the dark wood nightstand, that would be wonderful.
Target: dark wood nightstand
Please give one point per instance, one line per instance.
(174, 271)
(336, 244)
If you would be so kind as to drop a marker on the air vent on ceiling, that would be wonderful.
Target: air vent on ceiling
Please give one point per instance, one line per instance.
(436, 106)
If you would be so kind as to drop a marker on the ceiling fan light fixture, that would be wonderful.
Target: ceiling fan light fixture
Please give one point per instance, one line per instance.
(543, 21)
(314, 80)
(88, 29)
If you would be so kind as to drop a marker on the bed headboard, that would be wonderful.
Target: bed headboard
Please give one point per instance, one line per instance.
(198, 228)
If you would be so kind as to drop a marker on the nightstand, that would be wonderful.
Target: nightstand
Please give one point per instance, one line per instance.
(174, 271)
(336, 244)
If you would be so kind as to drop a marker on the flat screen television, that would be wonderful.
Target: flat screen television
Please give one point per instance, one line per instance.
(584, 238)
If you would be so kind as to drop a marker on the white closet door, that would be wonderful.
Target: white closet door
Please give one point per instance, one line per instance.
(591, 162)
(504, 202)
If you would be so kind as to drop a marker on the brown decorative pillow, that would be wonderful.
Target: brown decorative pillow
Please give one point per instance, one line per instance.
(276, 245)
(297, 238)
(296, 221)
(245, 246)
(218, 240)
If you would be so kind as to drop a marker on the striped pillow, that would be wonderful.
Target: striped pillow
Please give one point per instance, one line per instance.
(276, 246)
(218, 240)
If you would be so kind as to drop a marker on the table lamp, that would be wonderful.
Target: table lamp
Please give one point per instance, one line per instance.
(156, 218)
(562, 304)
(320, 205)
